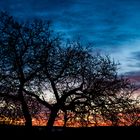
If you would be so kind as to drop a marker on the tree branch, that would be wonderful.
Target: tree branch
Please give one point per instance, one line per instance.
(38, 99)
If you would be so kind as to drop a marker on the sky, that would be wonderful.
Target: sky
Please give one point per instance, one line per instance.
(113, 25)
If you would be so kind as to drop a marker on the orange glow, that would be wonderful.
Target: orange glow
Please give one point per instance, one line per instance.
(124, 120)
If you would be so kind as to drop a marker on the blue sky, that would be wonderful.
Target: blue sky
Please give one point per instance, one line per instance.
(113, 25)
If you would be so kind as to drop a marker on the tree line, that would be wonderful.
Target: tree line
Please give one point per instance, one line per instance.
(86, 86)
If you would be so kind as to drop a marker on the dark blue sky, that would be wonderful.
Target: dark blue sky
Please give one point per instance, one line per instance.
(113, 25)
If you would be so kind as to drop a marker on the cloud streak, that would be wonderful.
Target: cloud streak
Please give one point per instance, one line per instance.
(113, 25)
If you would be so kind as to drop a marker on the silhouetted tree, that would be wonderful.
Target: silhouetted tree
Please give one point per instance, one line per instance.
(131, 114)
(35, 62)
(22, 48)
(104, 96)
(86, 84)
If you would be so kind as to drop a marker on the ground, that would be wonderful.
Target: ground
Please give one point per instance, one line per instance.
(21, 132)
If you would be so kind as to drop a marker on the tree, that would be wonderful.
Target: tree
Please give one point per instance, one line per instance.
(22, 47)
(84, 85)
(103, 97)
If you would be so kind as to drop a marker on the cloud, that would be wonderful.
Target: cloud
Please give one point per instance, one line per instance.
(136, 55)
(107, 22)
(113, 25)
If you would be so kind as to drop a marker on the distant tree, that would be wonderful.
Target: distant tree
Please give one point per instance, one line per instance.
(131, 114)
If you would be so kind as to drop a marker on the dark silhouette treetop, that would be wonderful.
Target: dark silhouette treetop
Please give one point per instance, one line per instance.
(85, 86)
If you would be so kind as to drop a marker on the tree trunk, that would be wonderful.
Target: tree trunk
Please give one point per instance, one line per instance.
(52, 117)
(25, 110)
(65, 118)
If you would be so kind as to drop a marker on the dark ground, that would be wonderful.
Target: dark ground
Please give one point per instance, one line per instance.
(113, 133)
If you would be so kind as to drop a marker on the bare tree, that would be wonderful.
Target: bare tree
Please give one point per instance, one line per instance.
(22, 48)
(34, 61)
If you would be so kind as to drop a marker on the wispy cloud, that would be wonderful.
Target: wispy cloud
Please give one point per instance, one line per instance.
(113, 25)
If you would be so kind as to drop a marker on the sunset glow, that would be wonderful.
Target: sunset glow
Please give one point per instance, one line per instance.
(70, 63)
(124, 121)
